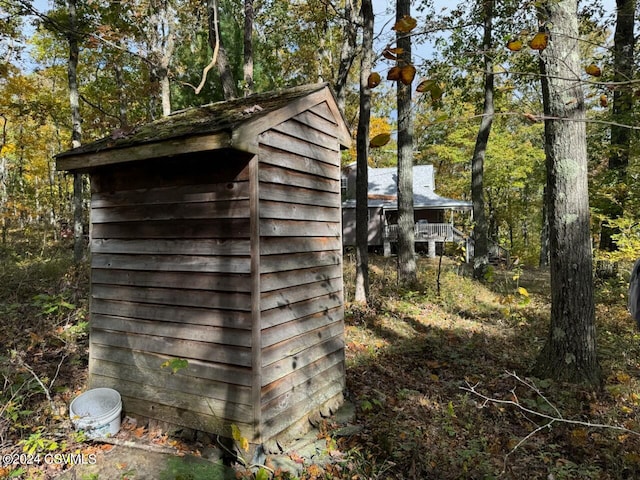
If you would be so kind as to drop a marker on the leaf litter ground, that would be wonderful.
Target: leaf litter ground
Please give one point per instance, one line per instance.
(426, 372)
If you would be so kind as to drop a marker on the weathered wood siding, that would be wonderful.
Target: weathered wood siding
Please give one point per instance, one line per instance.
(171, 269)
(301, 300)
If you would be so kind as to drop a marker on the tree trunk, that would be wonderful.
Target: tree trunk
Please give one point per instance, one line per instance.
(348, 52)
(76, 130)
(248, 47)
(362, 146)
(570, 350)
(406, 220)
(544, 233)
(162, 39)
(623, 71)
(222, 62)
(480, 234)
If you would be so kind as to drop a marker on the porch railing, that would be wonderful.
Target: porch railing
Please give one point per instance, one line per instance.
(440, 232)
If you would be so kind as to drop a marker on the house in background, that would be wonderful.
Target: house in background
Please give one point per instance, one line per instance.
(433, 213)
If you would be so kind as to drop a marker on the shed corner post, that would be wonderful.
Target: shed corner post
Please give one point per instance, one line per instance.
(256, 322)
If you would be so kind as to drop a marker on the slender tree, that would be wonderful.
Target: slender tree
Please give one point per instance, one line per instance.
(362, 147)
(623, 70)
(570, 350)
(76, 128)
(348, 50)
(219, 52)
(480, 236)
(248, 47)
(406, 220)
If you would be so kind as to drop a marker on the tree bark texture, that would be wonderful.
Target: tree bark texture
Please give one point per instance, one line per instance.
(162, 42)
(570, 350)
(222, 61)
(76, 130)
(480, 229)
(248, 47)
(621, 135)
(362, 148)
(406, 221)
(348, 51)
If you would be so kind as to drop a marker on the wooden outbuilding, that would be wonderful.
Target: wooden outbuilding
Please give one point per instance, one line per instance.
(216, 239)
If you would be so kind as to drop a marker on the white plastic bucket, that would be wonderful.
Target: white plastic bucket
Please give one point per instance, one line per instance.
(97, 412)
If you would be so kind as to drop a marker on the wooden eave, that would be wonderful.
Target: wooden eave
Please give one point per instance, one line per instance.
(235, 124)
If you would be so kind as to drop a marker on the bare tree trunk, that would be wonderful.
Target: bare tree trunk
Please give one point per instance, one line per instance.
(76, 130)
(222, 62)
(623, 71)
(348, 51)
(248, 47)
(480, 233)
(570, 350)
(406, 221)
(362, 146)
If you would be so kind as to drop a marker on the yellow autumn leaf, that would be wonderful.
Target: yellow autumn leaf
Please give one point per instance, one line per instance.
(515, 45)
(539, 41)
(593, 70)
(237, 436)
(523, 291)
(405, 24)
(407, 74)
(623, 377)
(380, 140)
(604, 101)
(394, 73)
(374, 80)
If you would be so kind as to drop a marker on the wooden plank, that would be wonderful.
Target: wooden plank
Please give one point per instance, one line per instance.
(195, 169)
(300, 131)
(175, 297)
(176, 263)
(295, 261)
(182, 331)
(312, 393)
(323, 110)
(174, 347)
(330, 153)
(300, 326)
(271, 174)
(220, 282)
(298, 228)
(277, 245)
(294, 211)
(164, 378)
(256, 266)
(207, 192)
(167, 148)
(157, 395)
(295, 347)
(304, 196)
(175, 247)
(282, 414)
(289, 278)
(298, 293)
(172, 211)
(219, 228)
(317, 122)
(288, 364)
(301, 375)
(216, 372)
(293, 311)
(294, 162)
(188, 315)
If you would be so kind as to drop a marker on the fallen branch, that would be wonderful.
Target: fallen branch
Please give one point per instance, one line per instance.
(551, 419)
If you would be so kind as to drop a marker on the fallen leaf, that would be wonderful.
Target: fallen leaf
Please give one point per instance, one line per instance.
(407, 74)
(380, 140)
(394, 73)
(604, 101)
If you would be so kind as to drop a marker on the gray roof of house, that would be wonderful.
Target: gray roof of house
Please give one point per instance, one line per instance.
(383, 190)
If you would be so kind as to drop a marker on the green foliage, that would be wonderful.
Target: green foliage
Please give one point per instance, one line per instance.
(175, 364)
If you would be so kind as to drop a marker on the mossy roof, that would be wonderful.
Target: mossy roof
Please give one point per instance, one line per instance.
(215, 118)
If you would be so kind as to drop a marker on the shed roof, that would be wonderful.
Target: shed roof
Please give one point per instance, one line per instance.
(229, 124)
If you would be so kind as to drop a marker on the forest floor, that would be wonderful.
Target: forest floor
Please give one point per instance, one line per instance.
(437, 378)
